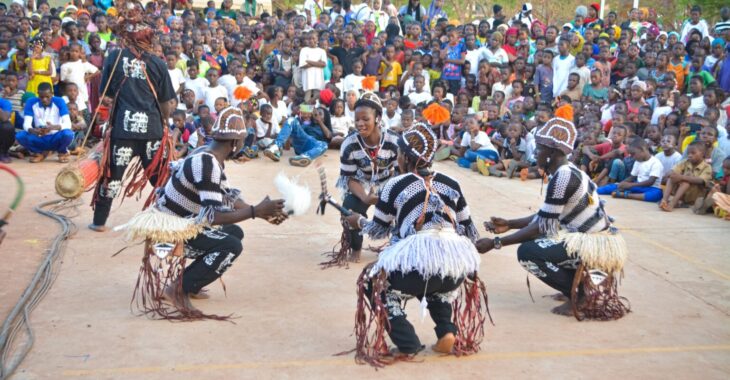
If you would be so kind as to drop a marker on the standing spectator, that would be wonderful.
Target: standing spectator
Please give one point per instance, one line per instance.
(312, 61)
(453, 57)
(694, 22)
(562, 64)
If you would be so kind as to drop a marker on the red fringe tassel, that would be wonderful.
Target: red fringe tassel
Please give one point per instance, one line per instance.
(154, 276)
(470, 311)
(600, 302)
(341, 251)
(371, 322)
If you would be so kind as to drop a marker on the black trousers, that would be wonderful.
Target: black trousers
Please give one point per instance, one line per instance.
(7, 137)
(354, 203)
(123, 151)
(548, 260)
(213, 251)
(407, 285)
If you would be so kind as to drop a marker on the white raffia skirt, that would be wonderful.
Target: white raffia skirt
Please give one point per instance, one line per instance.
(433, 252)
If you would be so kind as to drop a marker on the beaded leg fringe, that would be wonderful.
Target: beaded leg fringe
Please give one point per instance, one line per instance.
(155, 275)
(337, 257)
(470, 311)
(600, 299)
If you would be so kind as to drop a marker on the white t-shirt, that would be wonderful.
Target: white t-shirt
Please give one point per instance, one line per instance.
(473, 57)
(312, 77)
(177, 78)
(231, 87)
(262, 128)
(499, 57)
(647, 169)
(421, 97)
(74, 72)
(697, 105)
(561, 72)
(210, 94)
(668, 162)
(79, 104)
(313, 8)
(409, 84)
(505, 88)
(482, 139)
(391, 122)
(352, 82)
(197, 85)
(660, 111)
(342, 124)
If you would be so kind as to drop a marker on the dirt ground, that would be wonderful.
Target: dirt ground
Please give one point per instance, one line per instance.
(292, 316)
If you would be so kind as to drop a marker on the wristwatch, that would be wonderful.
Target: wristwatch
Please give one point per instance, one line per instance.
(497, 242)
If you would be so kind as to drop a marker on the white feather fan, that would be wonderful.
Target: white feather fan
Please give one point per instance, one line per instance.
(297, 197)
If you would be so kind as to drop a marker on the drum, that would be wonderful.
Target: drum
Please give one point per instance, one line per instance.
(80, 176)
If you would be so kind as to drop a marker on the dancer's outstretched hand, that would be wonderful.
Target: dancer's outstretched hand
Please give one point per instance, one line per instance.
(484, 245)
(269, 208)
(497, 225)
(353, 221)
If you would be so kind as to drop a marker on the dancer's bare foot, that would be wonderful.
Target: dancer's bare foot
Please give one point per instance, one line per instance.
(201, 295)
(666, 206)
(566, 309)
(181, 301)
(96, 228)
(445, 344)
(560, 297)
(354, 256)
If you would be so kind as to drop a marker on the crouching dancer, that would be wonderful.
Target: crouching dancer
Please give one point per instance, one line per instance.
(569, 244)
(194, 217)
(430, 256)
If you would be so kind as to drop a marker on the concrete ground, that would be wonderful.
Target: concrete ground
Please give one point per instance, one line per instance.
(292, 316)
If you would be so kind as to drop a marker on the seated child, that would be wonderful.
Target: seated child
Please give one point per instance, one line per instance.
(475, 144)
(202, 134)
(669, 157)
(514, 154)
(718, 199)
(608, 157)
(306, 146)
(78, 126)
(266, 131)
(688, 180)
(645, 180)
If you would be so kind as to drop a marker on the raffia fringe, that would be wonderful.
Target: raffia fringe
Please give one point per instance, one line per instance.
(157, 226)
(606, 251)
(431, 252)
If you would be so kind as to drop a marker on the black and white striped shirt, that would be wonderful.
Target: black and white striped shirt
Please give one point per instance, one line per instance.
(402, 202)
(196, 188)
(357, 163)
(572, 204)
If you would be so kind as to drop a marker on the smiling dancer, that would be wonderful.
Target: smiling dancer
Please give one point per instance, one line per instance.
(431, 253)
(569, 244)
(367, 160)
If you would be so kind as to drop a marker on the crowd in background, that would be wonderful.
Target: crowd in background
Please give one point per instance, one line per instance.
(650, 102)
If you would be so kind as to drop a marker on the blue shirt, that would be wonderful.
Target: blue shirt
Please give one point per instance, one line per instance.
(452, 71)
(38, 116)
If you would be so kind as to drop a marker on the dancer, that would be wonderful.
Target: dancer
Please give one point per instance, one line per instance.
(431, 254)
(143, 102)
(569, 244)
(367, 159)
(196, 212)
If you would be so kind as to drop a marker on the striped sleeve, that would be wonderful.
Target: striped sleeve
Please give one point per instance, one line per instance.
(462, 215)
(205, 174)
(348, 166)
(558, 194)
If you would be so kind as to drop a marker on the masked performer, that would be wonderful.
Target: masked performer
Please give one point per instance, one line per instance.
(367, 160)
(140, 85)
(196, 212)
(431, 254)
(569, 244)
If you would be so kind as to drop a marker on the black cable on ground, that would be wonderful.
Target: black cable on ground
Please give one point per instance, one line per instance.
(16, 326)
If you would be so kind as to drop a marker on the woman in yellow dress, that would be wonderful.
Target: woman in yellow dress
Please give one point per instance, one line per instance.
(40, 67)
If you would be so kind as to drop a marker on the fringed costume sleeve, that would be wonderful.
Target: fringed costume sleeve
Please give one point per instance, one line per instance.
(559, 191)
(381, 227)
(348, 165)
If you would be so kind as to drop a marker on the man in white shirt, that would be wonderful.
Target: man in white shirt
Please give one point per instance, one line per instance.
(46, 126)
(562, 64)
